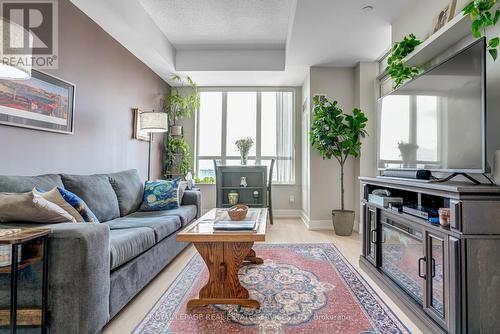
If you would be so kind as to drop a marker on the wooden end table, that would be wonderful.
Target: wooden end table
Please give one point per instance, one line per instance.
(224, 254)
(34, 241)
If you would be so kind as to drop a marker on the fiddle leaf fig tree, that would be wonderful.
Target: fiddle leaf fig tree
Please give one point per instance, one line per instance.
(336, 134)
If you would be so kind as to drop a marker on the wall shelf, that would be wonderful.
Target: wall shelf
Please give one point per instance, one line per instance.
(454, 31)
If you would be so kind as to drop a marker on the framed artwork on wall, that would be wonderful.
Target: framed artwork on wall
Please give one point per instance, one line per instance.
(42, 102)
(444, 16)
(137, 133)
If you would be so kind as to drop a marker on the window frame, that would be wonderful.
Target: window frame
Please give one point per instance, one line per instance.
(257, 157)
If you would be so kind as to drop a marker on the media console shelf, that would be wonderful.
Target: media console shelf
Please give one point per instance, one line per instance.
(447, 278)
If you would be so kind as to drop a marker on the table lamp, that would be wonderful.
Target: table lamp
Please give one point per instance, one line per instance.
(152, 122)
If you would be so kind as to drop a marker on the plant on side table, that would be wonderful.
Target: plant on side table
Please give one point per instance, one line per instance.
(396, 68)
(177, 159)
(338, 135)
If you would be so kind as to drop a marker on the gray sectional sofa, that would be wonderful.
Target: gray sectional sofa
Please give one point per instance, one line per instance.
(95, 269)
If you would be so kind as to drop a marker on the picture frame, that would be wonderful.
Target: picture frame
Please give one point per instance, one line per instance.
(43, 102)
(137, 133)
(444, 16)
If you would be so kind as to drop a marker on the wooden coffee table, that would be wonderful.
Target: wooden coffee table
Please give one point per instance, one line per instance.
(224, 254)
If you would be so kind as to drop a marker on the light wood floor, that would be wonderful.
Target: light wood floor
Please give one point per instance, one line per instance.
(283, 231)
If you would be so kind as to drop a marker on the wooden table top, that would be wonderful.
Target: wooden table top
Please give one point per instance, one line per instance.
(26, 234)
(202, 230)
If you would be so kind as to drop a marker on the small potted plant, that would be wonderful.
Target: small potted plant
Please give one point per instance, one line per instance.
(338, 135)
(179, 105)
(244, 145)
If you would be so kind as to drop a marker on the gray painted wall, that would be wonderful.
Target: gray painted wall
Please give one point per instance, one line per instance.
(110, 81)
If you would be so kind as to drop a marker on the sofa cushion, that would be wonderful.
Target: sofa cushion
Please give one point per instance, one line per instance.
(125, 244)
(185, 212)
(163, 225)
(129, 190)
(23, 184)
(96, 191)
(161, 195)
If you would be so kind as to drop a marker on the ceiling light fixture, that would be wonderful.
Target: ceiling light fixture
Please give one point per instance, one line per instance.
(367, 8)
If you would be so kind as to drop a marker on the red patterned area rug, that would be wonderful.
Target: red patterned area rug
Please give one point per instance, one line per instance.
(303, 288)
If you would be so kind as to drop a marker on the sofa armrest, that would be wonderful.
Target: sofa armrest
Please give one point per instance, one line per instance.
(79, 278)
(193, 197)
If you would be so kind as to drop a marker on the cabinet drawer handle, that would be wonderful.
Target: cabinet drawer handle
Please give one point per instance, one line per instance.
(374, 236)
(422, 259)
(433, 267)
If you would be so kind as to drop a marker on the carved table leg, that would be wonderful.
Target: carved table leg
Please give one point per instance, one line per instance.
(223, 260)
(252, 258)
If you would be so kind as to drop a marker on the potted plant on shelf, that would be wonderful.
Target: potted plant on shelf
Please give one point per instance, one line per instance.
(338, 135)
(177, 160)
(179, 105)
(244, 145)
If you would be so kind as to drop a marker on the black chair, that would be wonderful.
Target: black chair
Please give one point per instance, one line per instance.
(269, 186)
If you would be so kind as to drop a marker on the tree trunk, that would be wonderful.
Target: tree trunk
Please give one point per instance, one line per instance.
(342, 187)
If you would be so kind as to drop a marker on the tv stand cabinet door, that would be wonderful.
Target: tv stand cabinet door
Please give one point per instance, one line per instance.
(371, 235)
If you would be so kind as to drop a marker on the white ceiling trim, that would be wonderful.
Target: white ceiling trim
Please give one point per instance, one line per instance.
(230, 60)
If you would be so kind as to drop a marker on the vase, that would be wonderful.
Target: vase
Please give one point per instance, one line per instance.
(233, 198)
(244, 158)
(175, 130)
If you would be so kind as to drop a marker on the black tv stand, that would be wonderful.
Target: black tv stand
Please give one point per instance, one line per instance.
(448, 178)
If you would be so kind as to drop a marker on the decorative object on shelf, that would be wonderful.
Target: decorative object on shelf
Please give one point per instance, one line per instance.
(177, 160)
(178, 105)
(244, 145)
(396, 67)
(137, 132)
(483, 15)
(496, 168)
(42, 102)
(444, 16)
(153, 122)
(256, 196)
(444, 216)
(233, 197)
(189, 180)
(243, 182)
(338, 135)
(238, 212)
(408, 153)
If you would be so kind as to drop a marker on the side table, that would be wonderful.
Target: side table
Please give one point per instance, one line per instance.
(34, 248)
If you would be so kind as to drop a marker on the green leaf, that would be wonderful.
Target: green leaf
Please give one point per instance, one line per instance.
(493, 53)
(494, 42)
(497, 16)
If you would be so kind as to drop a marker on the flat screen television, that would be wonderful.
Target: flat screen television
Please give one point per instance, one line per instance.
(437, 121)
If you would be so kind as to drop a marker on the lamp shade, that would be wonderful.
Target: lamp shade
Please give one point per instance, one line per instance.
(151, 121)
(19, 66)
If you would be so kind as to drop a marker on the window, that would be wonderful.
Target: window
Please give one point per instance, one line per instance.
(267, 116)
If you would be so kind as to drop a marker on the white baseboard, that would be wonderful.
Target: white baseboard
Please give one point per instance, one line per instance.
(318, 225)
(286, 213)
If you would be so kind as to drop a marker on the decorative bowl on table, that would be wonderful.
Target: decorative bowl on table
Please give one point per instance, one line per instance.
(238, 212)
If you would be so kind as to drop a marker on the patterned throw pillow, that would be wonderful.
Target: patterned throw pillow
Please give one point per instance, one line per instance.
(160, 195)
(73, 204)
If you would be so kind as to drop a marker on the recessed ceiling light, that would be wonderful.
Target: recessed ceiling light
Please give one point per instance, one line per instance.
(367, 8)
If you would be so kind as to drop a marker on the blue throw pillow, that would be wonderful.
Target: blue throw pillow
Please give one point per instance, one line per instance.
(74, 201)
(160, 195)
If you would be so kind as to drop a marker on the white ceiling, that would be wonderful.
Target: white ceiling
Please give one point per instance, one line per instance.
(248, 42)
(214, 24)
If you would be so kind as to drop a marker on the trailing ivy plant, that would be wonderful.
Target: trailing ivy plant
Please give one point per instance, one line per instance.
(396, 67)
(483, 16)
(180, 105)
(177, 156)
